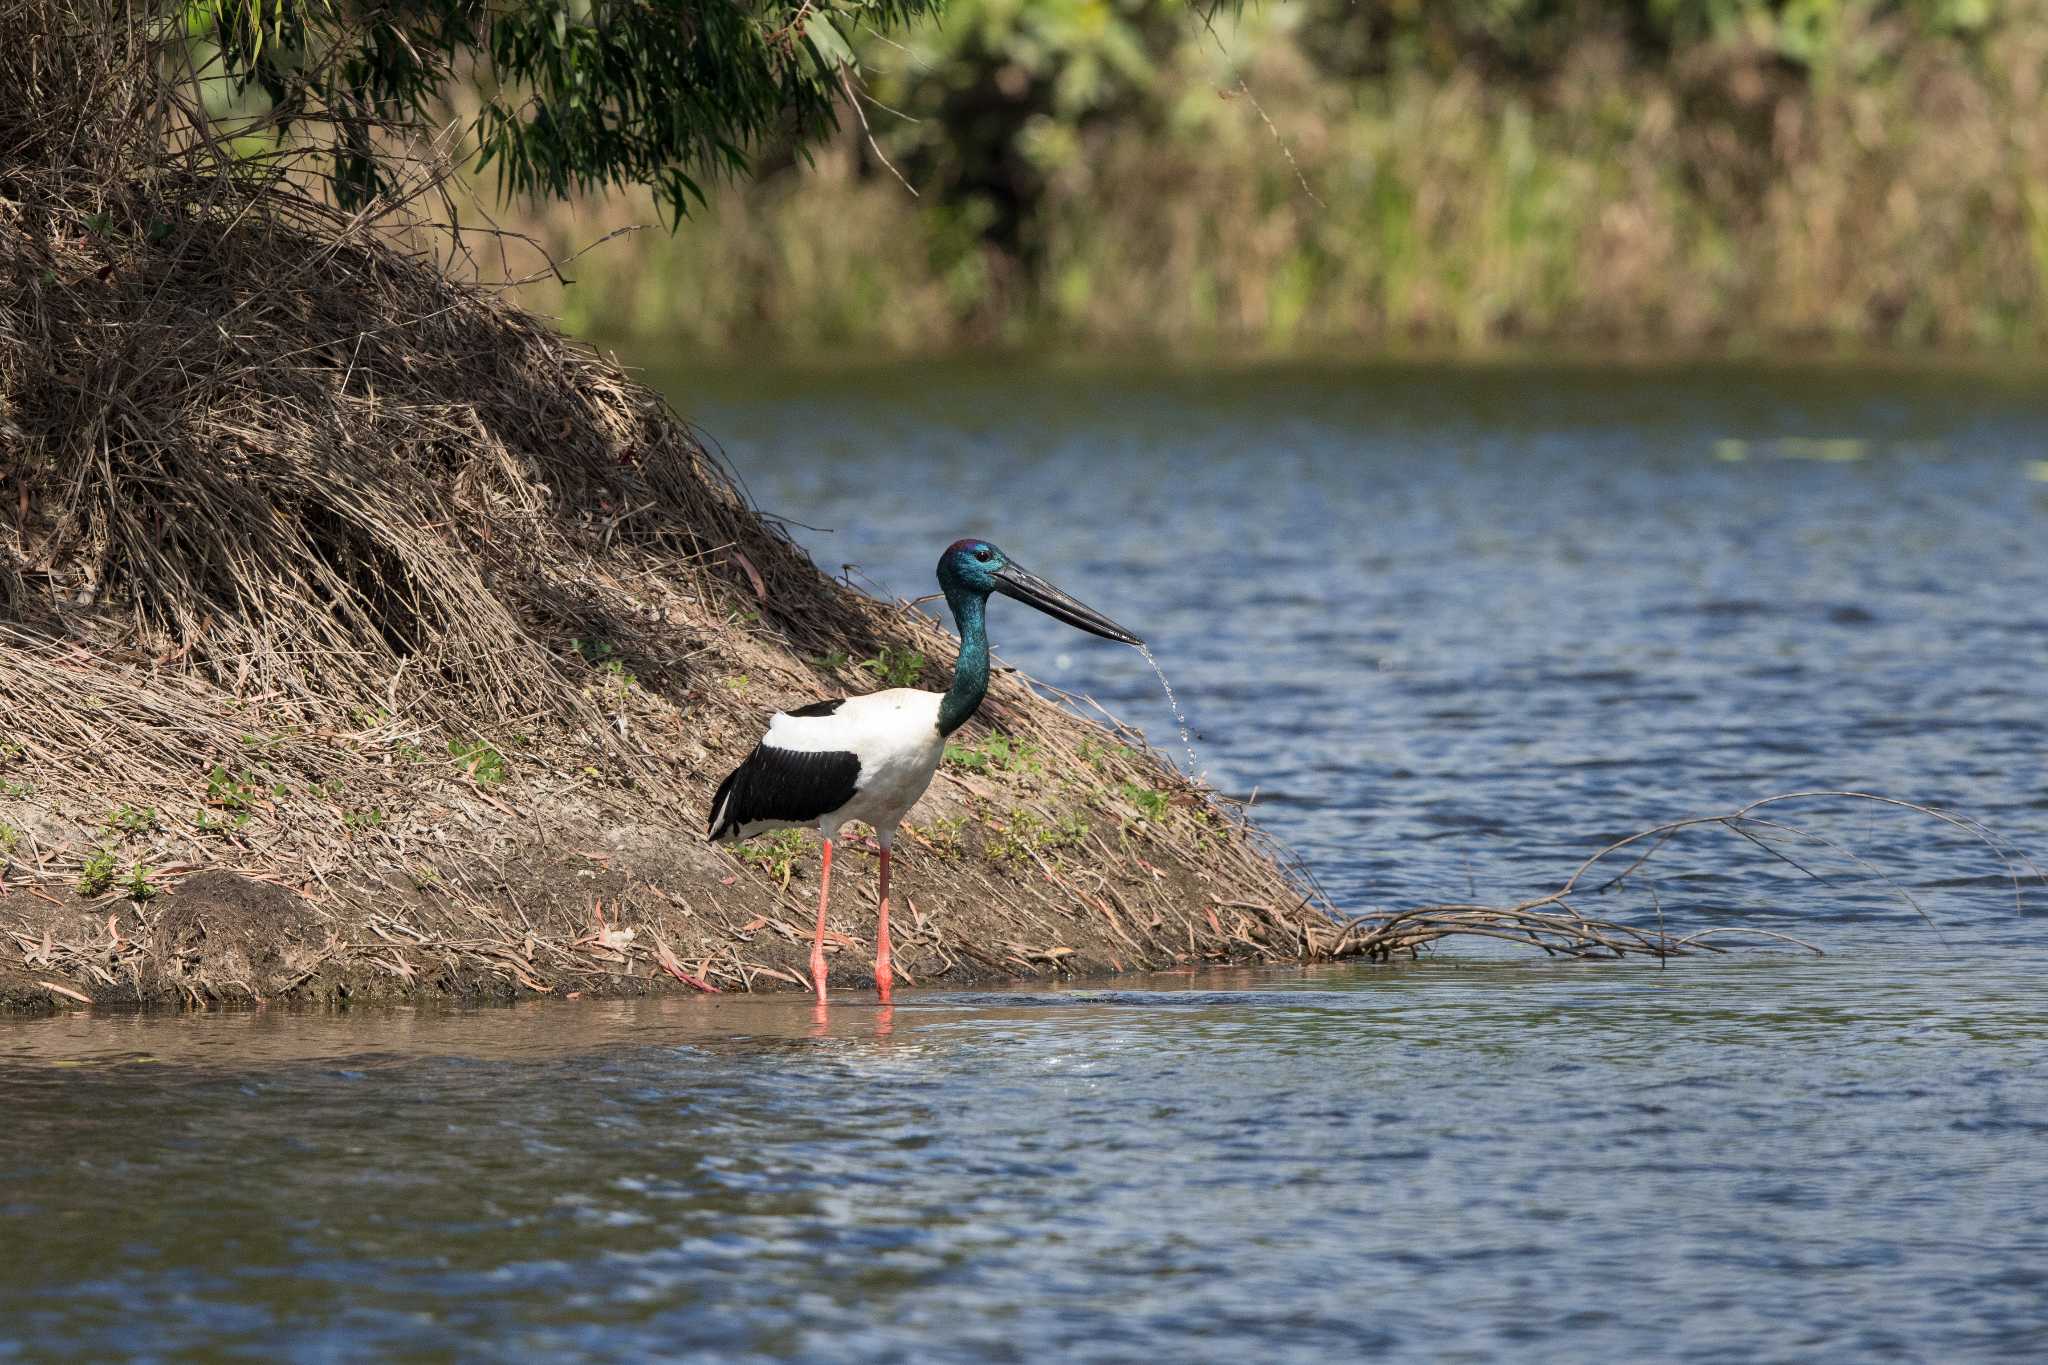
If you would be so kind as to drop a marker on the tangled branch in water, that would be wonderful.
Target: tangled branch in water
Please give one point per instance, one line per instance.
(1555, 924)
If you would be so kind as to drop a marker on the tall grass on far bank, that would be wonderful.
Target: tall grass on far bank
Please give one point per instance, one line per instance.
(1891, 191)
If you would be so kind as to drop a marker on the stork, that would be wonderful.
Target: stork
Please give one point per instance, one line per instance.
(870, 758)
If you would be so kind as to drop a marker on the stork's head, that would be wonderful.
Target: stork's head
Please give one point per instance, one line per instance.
(976, 568)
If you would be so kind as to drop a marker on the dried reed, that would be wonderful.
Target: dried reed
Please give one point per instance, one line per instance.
(1554, 924)
(325, 568)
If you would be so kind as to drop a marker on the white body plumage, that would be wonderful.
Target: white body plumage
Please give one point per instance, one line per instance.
(865, 758)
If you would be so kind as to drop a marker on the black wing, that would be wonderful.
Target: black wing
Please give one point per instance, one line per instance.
(783, 784)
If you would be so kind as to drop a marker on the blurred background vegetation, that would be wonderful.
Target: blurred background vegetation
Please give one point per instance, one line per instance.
(1306, 175)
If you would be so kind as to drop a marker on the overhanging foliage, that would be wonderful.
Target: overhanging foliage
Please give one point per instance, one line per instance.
(577, 94)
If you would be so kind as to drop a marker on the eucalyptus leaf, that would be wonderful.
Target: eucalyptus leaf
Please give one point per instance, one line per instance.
(579, 94)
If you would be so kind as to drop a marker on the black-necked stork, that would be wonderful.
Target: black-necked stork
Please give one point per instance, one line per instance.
(870, 758)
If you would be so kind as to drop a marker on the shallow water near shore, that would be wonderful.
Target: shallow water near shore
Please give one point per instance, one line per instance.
(1445, 1160)
(1455, 629)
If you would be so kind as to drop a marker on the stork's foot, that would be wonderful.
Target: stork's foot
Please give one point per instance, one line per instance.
(818, 974)
(885, 975)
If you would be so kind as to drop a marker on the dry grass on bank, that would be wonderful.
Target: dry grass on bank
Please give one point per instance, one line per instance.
(325, 570)
(332, 572)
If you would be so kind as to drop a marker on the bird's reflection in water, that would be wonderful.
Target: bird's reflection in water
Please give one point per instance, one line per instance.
(821, 1020)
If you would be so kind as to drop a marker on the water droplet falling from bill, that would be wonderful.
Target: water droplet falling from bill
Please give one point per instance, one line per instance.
(1179, 717)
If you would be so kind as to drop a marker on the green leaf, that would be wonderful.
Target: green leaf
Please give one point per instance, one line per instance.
(829, 45)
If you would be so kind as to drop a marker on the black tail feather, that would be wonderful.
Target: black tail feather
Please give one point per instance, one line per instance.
(790, 786)
(718, 824)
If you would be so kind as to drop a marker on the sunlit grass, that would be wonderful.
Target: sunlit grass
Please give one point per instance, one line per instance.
(1430, 206)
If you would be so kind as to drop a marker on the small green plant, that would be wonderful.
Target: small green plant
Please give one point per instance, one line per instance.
(997, 753)
(1151, 804)
(206, 823)
(18, 789)
(777, 855)
(133, 820)
(405, 751)
(362, 821)
(238, 791)
(138, 885)
(896, 667)
(601, 656)
(10, 837)
(830, 659)
(617, 682)
(1097, 755)
(1026, 833)
(737, 682)
(98, 872)
(943, 834)
(11, 751)
(479, 758)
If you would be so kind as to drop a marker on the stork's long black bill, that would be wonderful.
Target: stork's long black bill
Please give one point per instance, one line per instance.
(1012, 581)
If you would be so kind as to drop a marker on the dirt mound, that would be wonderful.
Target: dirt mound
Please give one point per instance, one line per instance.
(220, 927)
(436, 631)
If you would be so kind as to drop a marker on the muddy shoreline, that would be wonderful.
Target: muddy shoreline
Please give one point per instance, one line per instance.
(596, 922)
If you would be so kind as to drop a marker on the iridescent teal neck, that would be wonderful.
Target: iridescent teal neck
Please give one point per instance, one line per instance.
(970, 674)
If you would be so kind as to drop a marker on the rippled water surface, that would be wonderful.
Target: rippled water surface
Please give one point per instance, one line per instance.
(1455, 629)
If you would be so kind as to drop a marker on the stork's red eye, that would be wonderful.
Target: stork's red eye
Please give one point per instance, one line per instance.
(984, 554)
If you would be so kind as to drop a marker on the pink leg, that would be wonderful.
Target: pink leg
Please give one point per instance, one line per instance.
(818, 942)
(885, 972)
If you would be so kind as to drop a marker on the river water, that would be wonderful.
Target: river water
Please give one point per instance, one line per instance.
(1451, 629)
